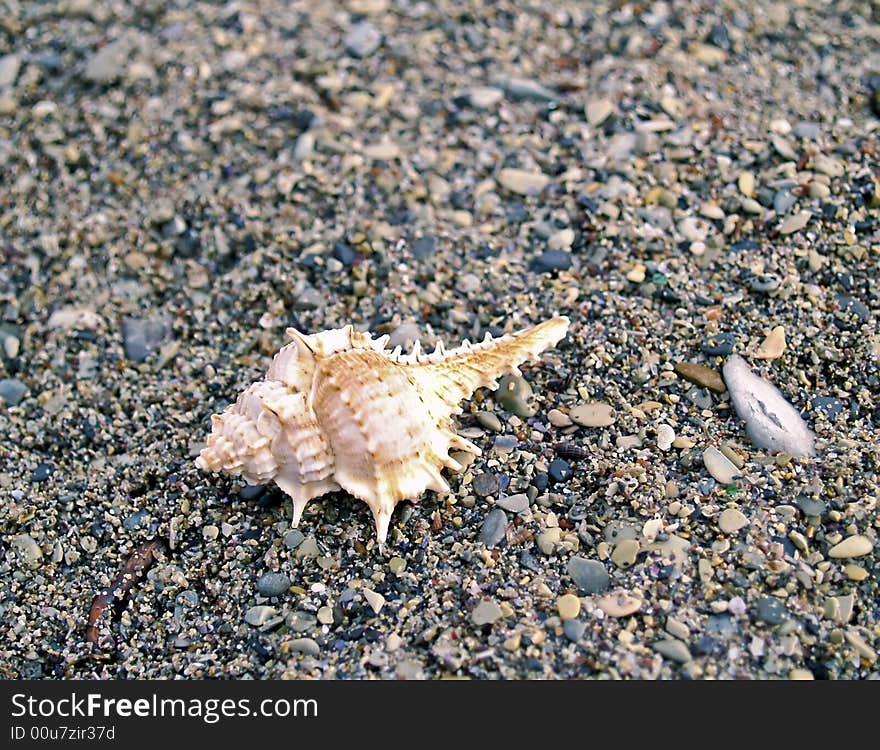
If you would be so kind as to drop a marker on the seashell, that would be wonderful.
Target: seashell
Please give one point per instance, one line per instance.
(337, 410)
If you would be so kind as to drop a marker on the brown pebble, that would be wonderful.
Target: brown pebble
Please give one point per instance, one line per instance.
(701, 375)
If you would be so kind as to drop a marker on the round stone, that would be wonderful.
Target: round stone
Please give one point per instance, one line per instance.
(304, 646)
(552, 260)
(731, 520)
(560, 471)
(273, 584)
(12, 391)
(673, 649)
(625, 553)
(590, 576)
(513, 395)
(485, 484)
(771, 611)
(568, 606)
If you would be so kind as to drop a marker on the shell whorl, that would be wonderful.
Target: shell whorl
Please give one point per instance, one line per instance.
(338, 410)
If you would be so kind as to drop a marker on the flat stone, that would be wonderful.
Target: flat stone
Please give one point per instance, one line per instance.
(522, 181)
(731, 520)
(773, 346)
(518, 503)
(552, 260)
(589, 576)
(619, 604)
(598, 110)
(559, 471)
(720, 466)
(494, 527)
(561, 240)
(109, 63)
(718, 345)
(424, 247)
(293, 538)
(304, 646)
(548, 539)
(794, 223)
(484, 97)
(568, 606)
(853, 546)
(665, 436)
(593, 414)
(513, 395)
(673, 649)
(701, 375)
(375, 600)
(308, 548)
(9, 67)
(574, 629)
(273, 584)
(486, 613)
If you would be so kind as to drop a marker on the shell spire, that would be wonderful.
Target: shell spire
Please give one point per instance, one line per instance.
(338, 411)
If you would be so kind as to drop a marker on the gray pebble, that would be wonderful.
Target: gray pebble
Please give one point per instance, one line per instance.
(301, 621)
(590, 576)
(514, 503)
(513, 395)
(490, 421)
(810, 130)
(273, 584)
(574, 629)
(293, 538)
(494, 527)
(764, 284)
(485, 484)
(552, 260)
(719, 345)
(363, 39)
(783, 201)
(12, 391)
(771, 611)
(142, 336)
(811, 507)
(674, 649)
(424, 247)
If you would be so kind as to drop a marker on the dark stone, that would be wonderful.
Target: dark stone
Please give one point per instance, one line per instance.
(811, 507)
(344, 254)
(719, 345)
(12, 391)
(744, 245)
(424, 247)
(251, 491)
(560, 471)
(852, 313)
(42, 472)
(719, 36)
(771, 611)
(485, 484)
(828, 405)
(540, 481)
(705, 646)
(552, 260)
(273, 584)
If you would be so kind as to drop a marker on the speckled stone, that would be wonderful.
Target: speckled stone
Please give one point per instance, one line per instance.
(590, 576)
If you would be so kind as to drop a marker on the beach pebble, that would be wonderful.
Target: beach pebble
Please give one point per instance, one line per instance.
(665, 436)
(375, 600)
(552, 260)
(700, 375)
(303, 646)
(794, 223)
(143, 336)
(773, 346)
(598, 110)
(485, 484)
(771, 611)
(730, 520)
(568, 606)
(28, 550)
(362, 39)
(522, 181)
(259, 615)
(593, 414)
(486, 612)
(673, 649)
(273, 584)
(12, 391)
(589, 576)
(518, 503)
(494, 527)
(719, 466)
(853, 546)
(625, 553)
(619, 604)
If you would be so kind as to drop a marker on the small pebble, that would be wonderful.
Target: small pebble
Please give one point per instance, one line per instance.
(700, 375)
(568, 606)
(486, 613)
(773, 346)
(375, 600)
(731, 520)
(719, 466)
(853, 546)
(589, 576)
(619, 604)
(494, 527)
(593, 414)
(273, 584)
(523, 181)
(518, 503)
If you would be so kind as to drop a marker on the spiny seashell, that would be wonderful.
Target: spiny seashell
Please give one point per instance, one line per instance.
(337, 410)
